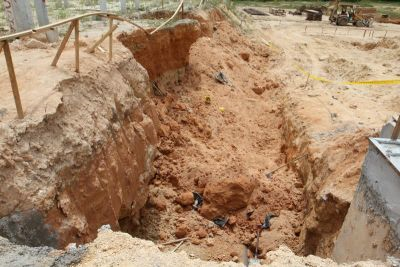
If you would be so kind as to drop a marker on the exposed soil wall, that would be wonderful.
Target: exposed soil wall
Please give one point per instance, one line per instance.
(167, 49)
(86, 165)
(330, 174)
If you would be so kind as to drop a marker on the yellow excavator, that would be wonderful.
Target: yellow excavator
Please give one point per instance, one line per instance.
(347, 13)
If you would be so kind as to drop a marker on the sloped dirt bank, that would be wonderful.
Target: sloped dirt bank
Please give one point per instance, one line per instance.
(85, 165)
(330, 173)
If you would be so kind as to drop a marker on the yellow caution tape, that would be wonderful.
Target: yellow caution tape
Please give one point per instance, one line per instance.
(322, 79)
(374, 82)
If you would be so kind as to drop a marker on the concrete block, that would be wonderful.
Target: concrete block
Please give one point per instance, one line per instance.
(371, 229)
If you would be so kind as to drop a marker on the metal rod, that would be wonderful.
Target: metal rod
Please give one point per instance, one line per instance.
(174, 241)
(178, 246)
(257, 244)
(284, 165)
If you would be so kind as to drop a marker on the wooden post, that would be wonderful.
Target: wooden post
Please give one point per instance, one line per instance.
(110, 44)
(77, 45)
(385, 35)
(396, 130)
(63, 44)
(305, 29)
(102, 38)
(162, 4)
(335, 32)
(43, 19)
(365, 31)
(13, 79)
(182, 10)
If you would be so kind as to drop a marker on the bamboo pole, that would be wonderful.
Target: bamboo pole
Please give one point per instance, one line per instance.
(63, 44)
(168, 20)
(102, 38)
(13, 79)
(76, 45)
(110, 44)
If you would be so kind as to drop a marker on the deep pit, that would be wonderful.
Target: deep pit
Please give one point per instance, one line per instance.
(131, 142)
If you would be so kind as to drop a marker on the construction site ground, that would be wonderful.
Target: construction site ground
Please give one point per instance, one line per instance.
(221, 139)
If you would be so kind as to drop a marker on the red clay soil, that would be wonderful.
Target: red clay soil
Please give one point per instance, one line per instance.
(219, 140)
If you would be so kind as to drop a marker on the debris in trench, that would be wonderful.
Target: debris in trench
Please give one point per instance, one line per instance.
(221, 222)
(157, 91)
(175, 241)
(249, 213)
(267, 223)
(178, 246)
(208, 100)
(221, 78)
(198, 200)
(269, 174)
(256, 12)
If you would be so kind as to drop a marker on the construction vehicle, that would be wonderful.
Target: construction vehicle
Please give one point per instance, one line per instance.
(344, 13)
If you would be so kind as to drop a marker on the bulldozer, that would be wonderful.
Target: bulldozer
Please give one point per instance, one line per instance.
(347, 13)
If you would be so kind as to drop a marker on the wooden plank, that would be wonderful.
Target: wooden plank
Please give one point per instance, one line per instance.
(63, 44)
(1, 46)
(65, 21)
(51, 26)
(110, 44)
(77, 45)
(103, 37)
(13, 79)
(396, 130)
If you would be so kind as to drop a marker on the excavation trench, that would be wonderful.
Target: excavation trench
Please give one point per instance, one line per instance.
(131, 142)
(217, 140)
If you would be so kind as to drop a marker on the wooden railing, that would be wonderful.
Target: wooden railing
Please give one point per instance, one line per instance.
(73, 26)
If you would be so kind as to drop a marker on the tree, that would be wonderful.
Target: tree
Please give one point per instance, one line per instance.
(18, 14)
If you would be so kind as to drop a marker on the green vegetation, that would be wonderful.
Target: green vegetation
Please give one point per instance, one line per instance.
(389, 7)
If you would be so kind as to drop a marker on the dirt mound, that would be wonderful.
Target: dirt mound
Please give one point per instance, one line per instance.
(388, 43)
(120, 249)
(86, 164)
(158, 14)
(227, 195)
(167, 49)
